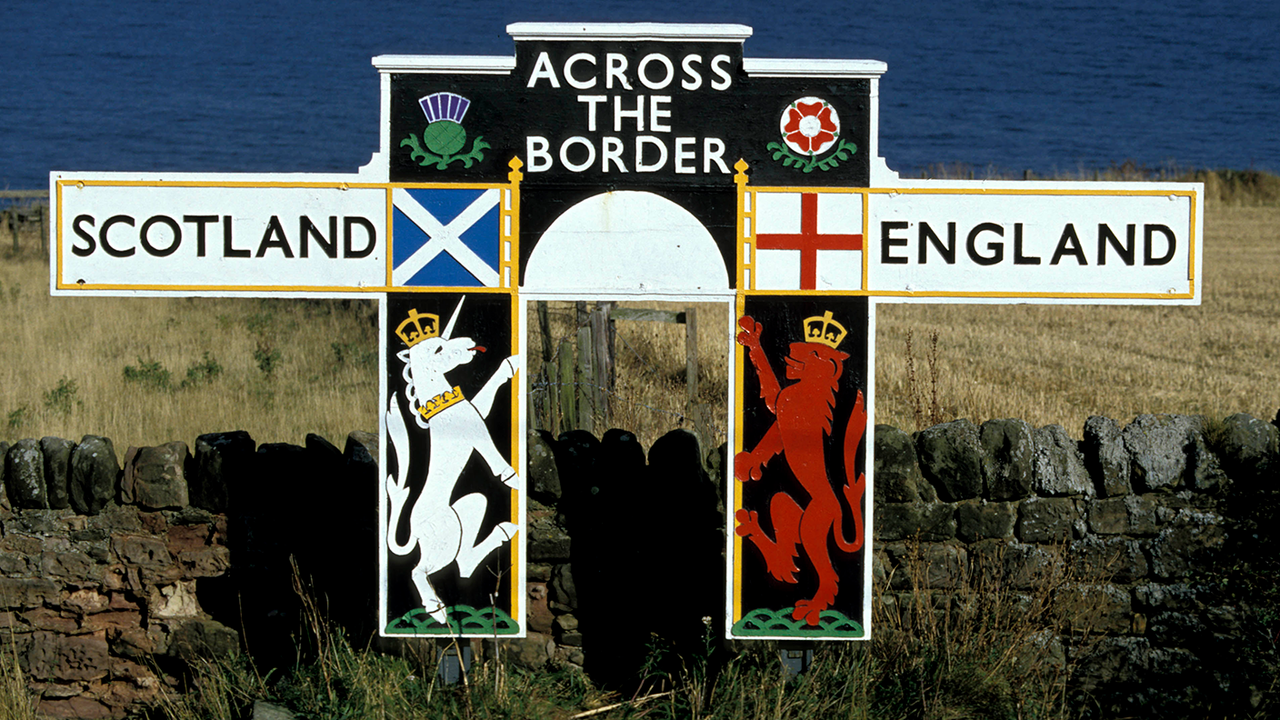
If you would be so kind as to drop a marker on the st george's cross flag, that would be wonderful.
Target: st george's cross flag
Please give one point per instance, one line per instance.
(445, 237)
(808, 241)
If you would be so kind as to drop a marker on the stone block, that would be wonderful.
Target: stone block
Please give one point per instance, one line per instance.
(1115, 559)
(141, 551)
(1113, 661)
(1158, 447)
(950, 457)
(543, 475)
(155, 477)
(74, 567)
(1048, 520)
(982, 520)
(204, 563)
(112, 621)
(44, 618)
(538, 612)
(1059, 464)
(1105, 457)
(1008, 453)
(924, 567)
(263, 710)
(115, 518)
(1249, 448)
(1176, 628)
(898, 478)
(1155, 597)
(1104, 608)
(1109, 516)
(1021, 566)
(80, 707)
(132, 642)
(94, 472)
(1205, 470)
(24, 476)
(548, 542)
(28, 592)
(57, 469)
(68, 658)
(174, 601)
(564, 592)
(1144, 513)
(5, 506)
(928, 522)
(532, 652)
(202, 639)
(566, 631)
(218, 456)
(186, 538)
(1187, 543)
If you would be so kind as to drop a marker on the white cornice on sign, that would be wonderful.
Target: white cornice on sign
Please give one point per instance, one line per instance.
(645, 31)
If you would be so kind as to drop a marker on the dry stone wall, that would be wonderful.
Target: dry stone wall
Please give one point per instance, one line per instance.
(114, 575)
(1156, 522)
(113, 578)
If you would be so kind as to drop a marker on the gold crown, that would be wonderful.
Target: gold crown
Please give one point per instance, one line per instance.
(418, 327)
(824, 330)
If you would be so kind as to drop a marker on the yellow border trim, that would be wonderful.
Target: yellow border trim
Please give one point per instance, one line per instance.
(509, 234)
(740, 308)
(746, 275)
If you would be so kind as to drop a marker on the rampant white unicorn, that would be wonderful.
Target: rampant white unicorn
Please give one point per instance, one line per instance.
(444, 532)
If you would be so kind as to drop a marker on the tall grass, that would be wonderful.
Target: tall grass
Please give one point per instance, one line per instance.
(983, 650)
(16, 700)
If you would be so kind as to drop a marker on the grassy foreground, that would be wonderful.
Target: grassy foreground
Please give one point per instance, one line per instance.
(983, 651)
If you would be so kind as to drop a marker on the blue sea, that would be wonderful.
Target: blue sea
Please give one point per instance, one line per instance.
(276, 85)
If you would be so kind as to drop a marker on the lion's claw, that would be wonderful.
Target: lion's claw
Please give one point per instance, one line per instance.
(750, 335)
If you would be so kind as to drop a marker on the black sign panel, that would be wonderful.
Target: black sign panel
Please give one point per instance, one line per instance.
(617, 115)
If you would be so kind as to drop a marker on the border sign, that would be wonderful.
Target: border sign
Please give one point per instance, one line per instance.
(626, 161)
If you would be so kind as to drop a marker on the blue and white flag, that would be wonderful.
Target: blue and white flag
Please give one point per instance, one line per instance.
(445, 237)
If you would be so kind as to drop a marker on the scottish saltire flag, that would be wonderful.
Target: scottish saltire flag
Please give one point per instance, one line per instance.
(808, 241)
(445, 237)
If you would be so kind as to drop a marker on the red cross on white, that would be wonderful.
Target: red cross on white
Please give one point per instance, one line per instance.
(808, 241)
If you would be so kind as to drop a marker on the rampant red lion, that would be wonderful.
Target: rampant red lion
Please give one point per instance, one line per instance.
(803, 410)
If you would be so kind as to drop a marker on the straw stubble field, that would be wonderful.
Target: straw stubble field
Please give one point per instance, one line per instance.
(144, 371)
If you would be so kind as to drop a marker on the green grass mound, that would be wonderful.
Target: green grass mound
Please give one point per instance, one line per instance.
(777, 623)
(460, 619)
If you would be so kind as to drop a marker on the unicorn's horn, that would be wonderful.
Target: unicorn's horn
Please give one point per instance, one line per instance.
(448, 329)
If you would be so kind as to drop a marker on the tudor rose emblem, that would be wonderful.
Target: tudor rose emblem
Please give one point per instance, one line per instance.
(810, 129)
(444, 136)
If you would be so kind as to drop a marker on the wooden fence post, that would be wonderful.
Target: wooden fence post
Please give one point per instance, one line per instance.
(547, 420)
(697, 411)
(567, 389)
(602, 361)
(586, 410)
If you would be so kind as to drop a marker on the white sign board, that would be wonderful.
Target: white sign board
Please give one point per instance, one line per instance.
(217, 233)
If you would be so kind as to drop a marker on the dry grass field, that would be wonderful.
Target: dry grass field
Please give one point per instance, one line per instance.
(146, 371)
(1061, 364)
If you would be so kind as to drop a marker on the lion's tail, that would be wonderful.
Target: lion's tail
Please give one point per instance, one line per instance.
(853, 489)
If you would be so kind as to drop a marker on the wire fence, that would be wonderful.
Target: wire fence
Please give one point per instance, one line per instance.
(25, 213)
(601, 365)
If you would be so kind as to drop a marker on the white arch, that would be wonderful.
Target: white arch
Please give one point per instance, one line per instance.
(626, 242)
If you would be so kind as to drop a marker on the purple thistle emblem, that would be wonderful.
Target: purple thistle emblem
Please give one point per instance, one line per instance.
(444, 139)
(444, 106)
